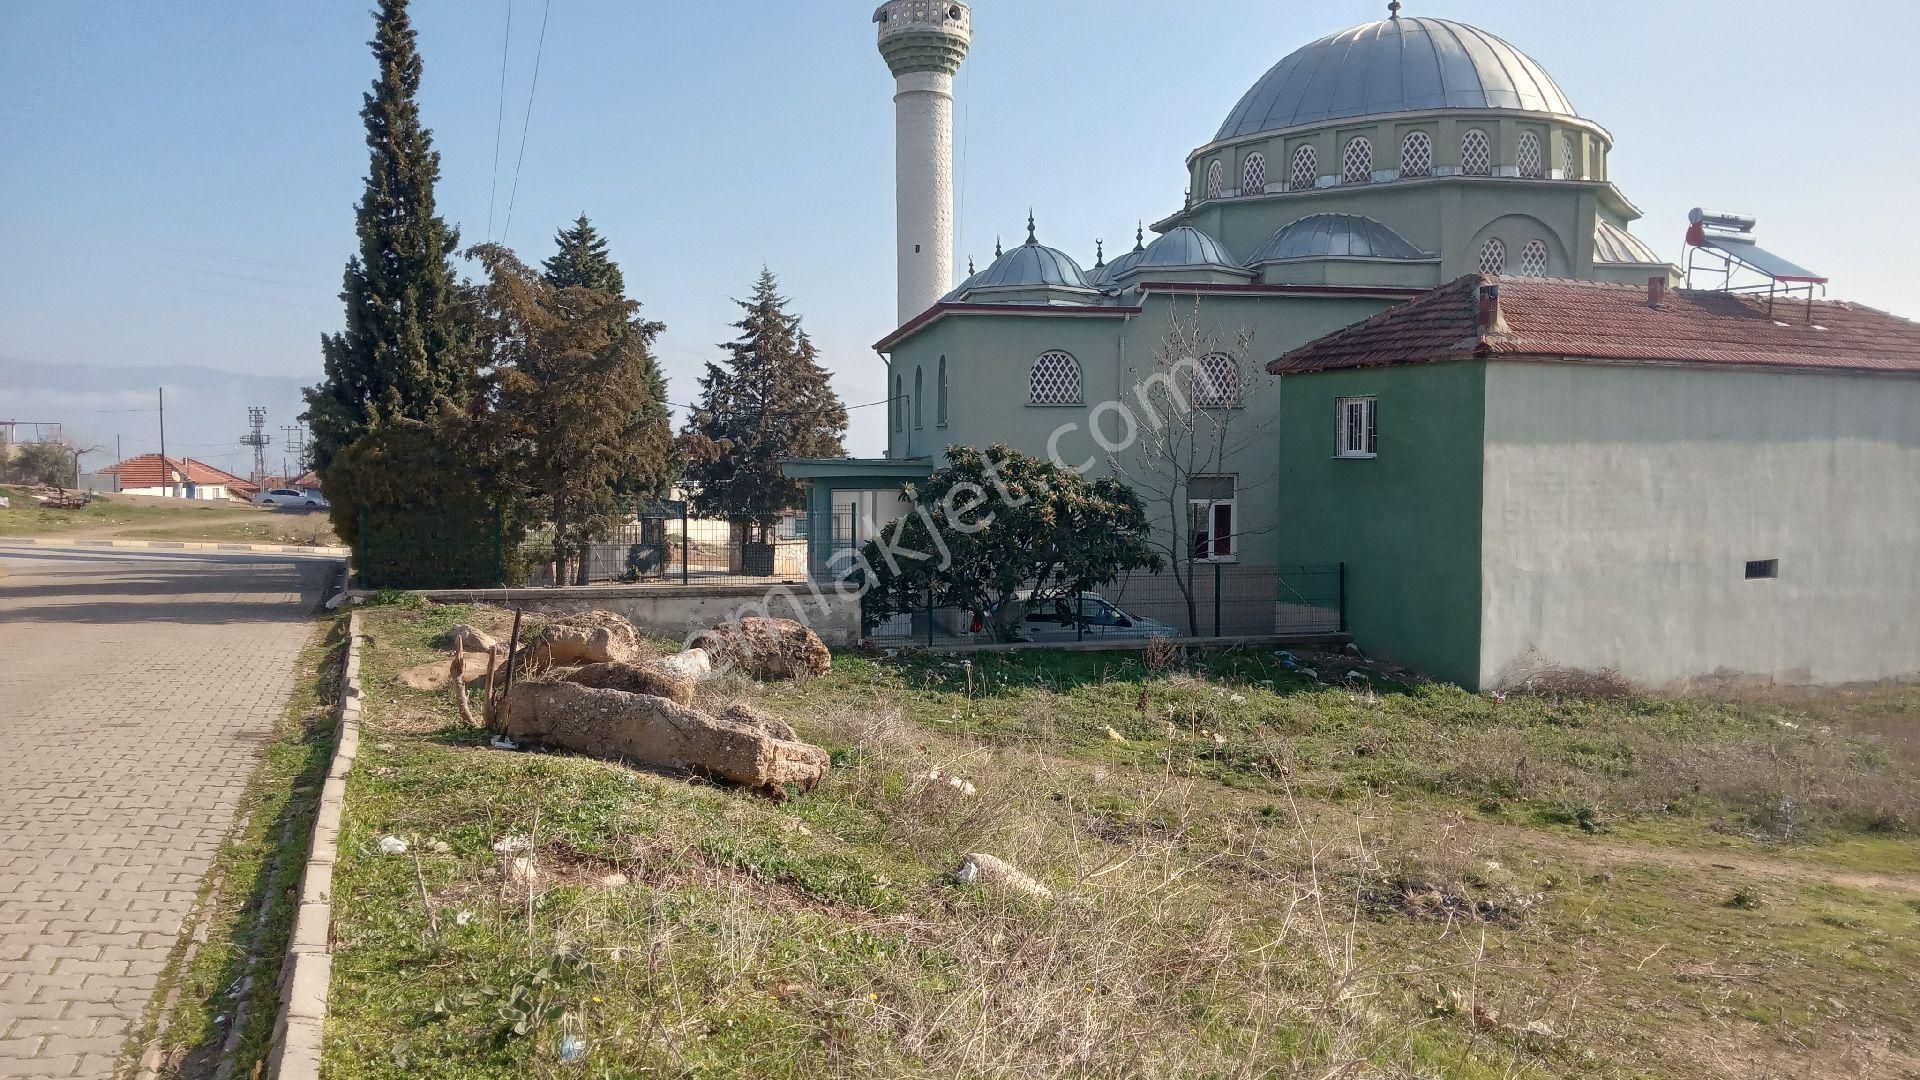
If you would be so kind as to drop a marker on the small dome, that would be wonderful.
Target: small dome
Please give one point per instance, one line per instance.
(960, 290)
(1184, 247)
(1395, 66)
(1323, 236)
(1031, 265)
(1613, 244)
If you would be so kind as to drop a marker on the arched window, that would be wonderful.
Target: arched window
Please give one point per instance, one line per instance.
(1306, 168)
(1055, 380)
(919, 421)
(1214, 173)
(1356, 163)
(1253, 178)
(1531, 161)
(1493, 256)
(1476, 153)
(897, 406)
(1566, 159)
(1217, 384)
(1416, 155)
(940, 413)
(1533, 259)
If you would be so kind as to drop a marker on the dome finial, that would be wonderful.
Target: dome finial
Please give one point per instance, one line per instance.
(1393, 9)
(1099, 253)
(970, 269)
(1140, 236)
(996, 247)
(1031, 238)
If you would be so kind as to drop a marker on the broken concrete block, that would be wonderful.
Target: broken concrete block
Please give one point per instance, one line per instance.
(695, 664)
(588, 637)
(766, 649)
(617, 725)
(998, 873)
(634, 679)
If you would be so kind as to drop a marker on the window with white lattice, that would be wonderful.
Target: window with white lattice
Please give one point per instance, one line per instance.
(1306, 168)
(1493, 256)
(1253, 178)
(940, 412)
(897, 406)
(1216, 385)
(1215, 177)
(1566, 159)
(1476, 153)
(1055, 380)
(919, 395)
(1356, 162)
(1354, 434)
(1531, 161)
(1416, 154)
(1533, 259)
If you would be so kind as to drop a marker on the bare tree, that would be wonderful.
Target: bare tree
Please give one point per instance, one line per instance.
(1194, 419)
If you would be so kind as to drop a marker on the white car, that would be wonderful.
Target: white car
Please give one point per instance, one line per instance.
(290, 497)
(1097, 617)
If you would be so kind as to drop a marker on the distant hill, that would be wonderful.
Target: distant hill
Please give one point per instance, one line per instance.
(206, 408)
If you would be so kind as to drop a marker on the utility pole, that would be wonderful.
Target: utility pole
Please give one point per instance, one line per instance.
(166, 471)
(296, 440)
(257, 438)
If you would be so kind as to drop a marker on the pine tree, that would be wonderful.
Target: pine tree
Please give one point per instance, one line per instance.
(582, 262)
(405, 353)
(570, 420)
(770, 400)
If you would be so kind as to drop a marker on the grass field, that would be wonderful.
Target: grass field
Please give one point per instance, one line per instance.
(1258, 874)
(133, 517)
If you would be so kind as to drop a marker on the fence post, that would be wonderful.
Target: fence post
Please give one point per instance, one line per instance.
(929, 618)
(685, 544)
(499, 554)
(1216, 599)
(361, 549)
(1343, 597)
(1079, 624)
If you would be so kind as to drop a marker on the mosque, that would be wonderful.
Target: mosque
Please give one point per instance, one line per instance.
(1433, 354)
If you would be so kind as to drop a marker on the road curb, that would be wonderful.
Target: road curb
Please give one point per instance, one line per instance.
(303, 991)
(177, 545)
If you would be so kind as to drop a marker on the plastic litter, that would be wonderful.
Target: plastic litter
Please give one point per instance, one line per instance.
(572, 1048)
(392, 845)
(501, 742)
(463, 918)
(511, 843)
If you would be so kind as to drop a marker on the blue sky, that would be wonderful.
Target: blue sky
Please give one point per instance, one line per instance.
(177, 176)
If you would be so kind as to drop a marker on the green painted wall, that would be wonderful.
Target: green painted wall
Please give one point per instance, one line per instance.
(1407, 522)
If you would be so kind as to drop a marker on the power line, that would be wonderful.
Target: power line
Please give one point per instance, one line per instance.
(526, 122)
(499, 119)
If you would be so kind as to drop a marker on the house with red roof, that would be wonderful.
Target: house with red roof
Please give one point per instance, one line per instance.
(1529, 473)
(185, 478)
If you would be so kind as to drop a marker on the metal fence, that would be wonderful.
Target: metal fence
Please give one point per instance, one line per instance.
(1205, 600)
(664, 544)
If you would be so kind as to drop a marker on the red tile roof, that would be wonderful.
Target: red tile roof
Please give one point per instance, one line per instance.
(1549, 318)
(145, 472)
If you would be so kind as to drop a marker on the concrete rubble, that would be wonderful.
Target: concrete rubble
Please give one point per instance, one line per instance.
(766, 649)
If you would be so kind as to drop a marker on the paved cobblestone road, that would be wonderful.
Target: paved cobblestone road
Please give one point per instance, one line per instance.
(134, 694)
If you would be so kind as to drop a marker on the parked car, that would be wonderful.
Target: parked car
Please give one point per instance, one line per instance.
(1095, 617)
(290, 497)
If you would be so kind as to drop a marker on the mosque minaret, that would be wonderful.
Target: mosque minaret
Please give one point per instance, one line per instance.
(923, 42)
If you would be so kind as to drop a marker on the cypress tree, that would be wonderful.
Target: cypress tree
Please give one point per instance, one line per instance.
(770, 400)
(405, 353)
(582, 262)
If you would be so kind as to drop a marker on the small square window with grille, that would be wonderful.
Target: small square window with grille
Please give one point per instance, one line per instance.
(1217, 384)
(1476, 153)
(1356, 164)
(1055, 380)
(1416, 155)
(1253, 179)
(1493, 256)
(1532, 163)
(1760, 569)
(1354, 433)
(1306, 169)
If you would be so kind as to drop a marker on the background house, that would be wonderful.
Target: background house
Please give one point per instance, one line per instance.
(1676, 485)
(181, 478)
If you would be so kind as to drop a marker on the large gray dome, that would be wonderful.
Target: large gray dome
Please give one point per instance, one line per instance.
(1184, 247)
(1030, 265)
(1322, 236)
(1393, 66)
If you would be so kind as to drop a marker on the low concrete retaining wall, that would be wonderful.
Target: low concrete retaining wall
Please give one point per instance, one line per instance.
(677, 611)
(309, 967)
